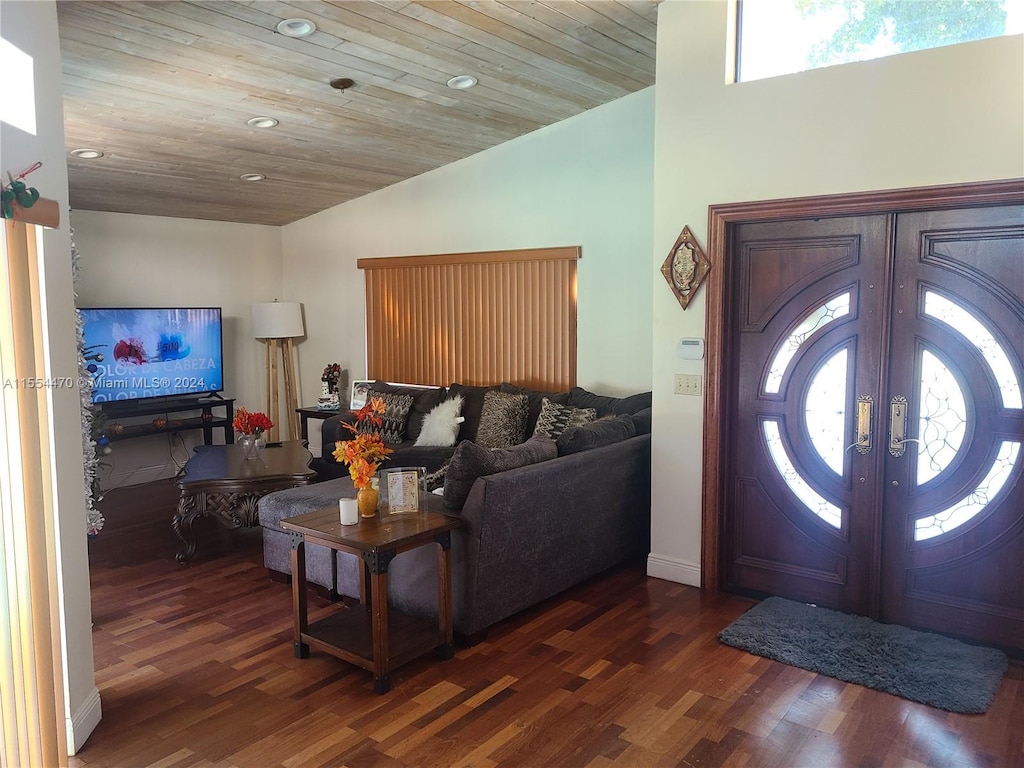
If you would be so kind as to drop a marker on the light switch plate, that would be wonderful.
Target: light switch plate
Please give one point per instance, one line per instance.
(689, 384)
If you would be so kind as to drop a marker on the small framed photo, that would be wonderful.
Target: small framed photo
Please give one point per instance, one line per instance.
(360, 389)
(402, 487)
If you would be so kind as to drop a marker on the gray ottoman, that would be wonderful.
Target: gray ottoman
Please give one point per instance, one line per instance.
(412, 575)
(341, 574)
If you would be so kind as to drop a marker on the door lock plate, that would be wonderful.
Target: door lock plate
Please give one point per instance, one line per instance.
(863, 443)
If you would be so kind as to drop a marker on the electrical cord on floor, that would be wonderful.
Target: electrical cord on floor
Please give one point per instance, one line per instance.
(179, 464)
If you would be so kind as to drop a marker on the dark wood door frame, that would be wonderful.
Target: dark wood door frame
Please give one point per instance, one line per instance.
(721, 220)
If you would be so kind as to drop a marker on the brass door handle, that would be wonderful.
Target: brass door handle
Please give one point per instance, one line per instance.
(863, 442)
(898, 426)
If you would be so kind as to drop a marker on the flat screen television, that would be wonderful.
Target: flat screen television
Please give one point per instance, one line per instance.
(138, 353)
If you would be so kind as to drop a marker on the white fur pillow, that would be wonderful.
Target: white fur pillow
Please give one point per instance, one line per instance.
(441, 424)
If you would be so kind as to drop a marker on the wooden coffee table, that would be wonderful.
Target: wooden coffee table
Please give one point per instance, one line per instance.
(219, 481)
(373, 636)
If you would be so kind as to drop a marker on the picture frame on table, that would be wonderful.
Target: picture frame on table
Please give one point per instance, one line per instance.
(402, 487)
(360, 390)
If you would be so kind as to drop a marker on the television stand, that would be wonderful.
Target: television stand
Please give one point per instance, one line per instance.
(167, 422)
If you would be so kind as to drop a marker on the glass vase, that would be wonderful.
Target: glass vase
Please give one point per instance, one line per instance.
(367, 499)
(252, 445)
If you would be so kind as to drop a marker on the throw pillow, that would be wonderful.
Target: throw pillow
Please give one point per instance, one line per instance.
(441, 425)
(502, 420)
(470, 461)
(554, 419)
(424, 399)
(610, 429)
(396, 410)
(536, 399)
(472, 405)
(432, 481)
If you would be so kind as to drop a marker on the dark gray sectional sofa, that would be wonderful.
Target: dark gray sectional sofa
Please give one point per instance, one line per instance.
(529, 531)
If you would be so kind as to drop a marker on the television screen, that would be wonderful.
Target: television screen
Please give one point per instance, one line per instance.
(135, 353)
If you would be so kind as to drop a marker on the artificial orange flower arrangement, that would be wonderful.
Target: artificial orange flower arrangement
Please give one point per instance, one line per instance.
(364, 452)
(248, 423)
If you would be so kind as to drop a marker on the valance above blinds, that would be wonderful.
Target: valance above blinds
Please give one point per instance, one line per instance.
(473, 318)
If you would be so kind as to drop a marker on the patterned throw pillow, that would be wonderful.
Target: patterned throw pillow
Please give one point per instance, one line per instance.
(396, 411)
(502, 420)
(554, 419)
(435, 479)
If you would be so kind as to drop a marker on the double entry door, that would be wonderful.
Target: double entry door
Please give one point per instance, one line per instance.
(874, 454)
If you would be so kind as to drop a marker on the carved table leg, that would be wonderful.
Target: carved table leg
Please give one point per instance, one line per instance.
(190, 506)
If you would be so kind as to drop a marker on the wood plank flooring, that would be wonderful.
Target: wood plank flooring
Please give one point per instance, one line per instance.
(195, 668)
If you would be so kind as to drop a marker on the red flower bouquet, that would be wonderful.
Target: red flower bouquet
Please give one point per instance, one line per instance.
(247, 423)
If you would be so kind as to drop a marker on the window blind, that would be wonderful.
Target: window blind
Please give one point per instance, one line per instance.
(473, 318)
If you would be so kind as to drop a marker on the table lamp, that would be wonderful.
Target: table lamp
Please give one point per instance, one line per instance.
(277, 323)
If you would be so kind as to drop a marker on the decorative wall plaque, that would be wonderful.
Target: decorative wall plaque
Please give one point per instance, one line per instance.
(686, 267)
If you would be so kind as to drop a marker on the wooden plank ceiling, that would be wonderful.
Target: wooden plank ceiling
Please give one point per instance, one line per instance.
(164, 90)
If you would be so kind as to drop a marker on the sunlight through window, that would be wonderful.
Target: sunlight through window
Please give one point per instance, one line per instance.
(780, 37)
(18, 105)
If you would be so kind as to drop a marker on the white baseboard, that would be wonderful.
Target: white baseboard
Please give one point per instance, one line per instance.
(670, 569)
(84, 721)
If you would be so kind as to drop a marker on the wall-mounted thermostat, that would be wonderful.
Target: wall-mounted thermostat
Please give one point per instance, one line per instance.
(691, 349)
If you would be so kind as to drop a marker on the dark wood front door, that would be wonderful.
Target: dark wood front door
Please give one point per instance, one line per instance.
(874, 453)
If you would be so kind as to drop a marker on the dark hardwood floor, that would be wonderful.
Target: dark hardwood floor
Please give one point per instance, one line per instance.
(195, 668)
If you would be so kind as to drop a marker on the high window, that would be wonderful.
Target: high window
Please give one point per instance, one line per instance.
(779, 37)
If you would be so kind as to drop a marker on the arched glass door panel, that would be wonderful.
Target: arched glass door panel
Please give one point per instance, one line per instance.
(808, 326)
(825, 411)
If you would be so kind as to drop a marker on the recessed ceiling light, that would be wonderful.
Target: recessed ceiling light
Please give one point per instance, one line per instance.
(461, 82)
(261, 122)
(86, 154)
(296, 27)
(252, 177)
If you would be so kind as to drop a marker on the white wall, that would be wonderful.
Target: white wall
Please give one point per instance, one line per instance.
(153, 261)
(946, 115)
(32, 27)
(585, 181)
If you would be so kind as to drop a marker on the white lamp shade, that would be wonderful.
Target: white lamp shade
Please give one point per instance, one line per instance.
(277, 320)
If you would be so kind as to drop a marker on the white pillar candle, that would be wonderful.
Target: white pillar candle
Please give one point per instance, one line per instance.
(349, 509)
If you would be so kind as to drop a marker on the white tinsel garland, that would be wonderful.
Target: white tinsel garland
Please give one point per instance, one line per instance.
(93, 517)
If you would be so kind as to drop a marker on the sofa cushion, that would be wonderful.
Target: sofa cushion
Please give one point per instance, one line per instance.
(430, 457)
(471, 461)
(605, 406)
(396, 412)
(604, 431)
(642, 421)
(502, 420)
(554, 419)
(472, 405)
(536, 399)
(424, 400)
(441, 425)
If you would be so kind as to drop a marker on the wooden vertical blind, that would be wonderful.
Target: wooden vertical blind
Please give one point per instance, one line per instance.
(31, 681)
(473, 318)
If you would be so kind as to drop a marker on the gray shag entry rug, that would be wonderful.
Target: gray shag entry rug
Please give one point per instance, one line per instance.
(919, 666)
